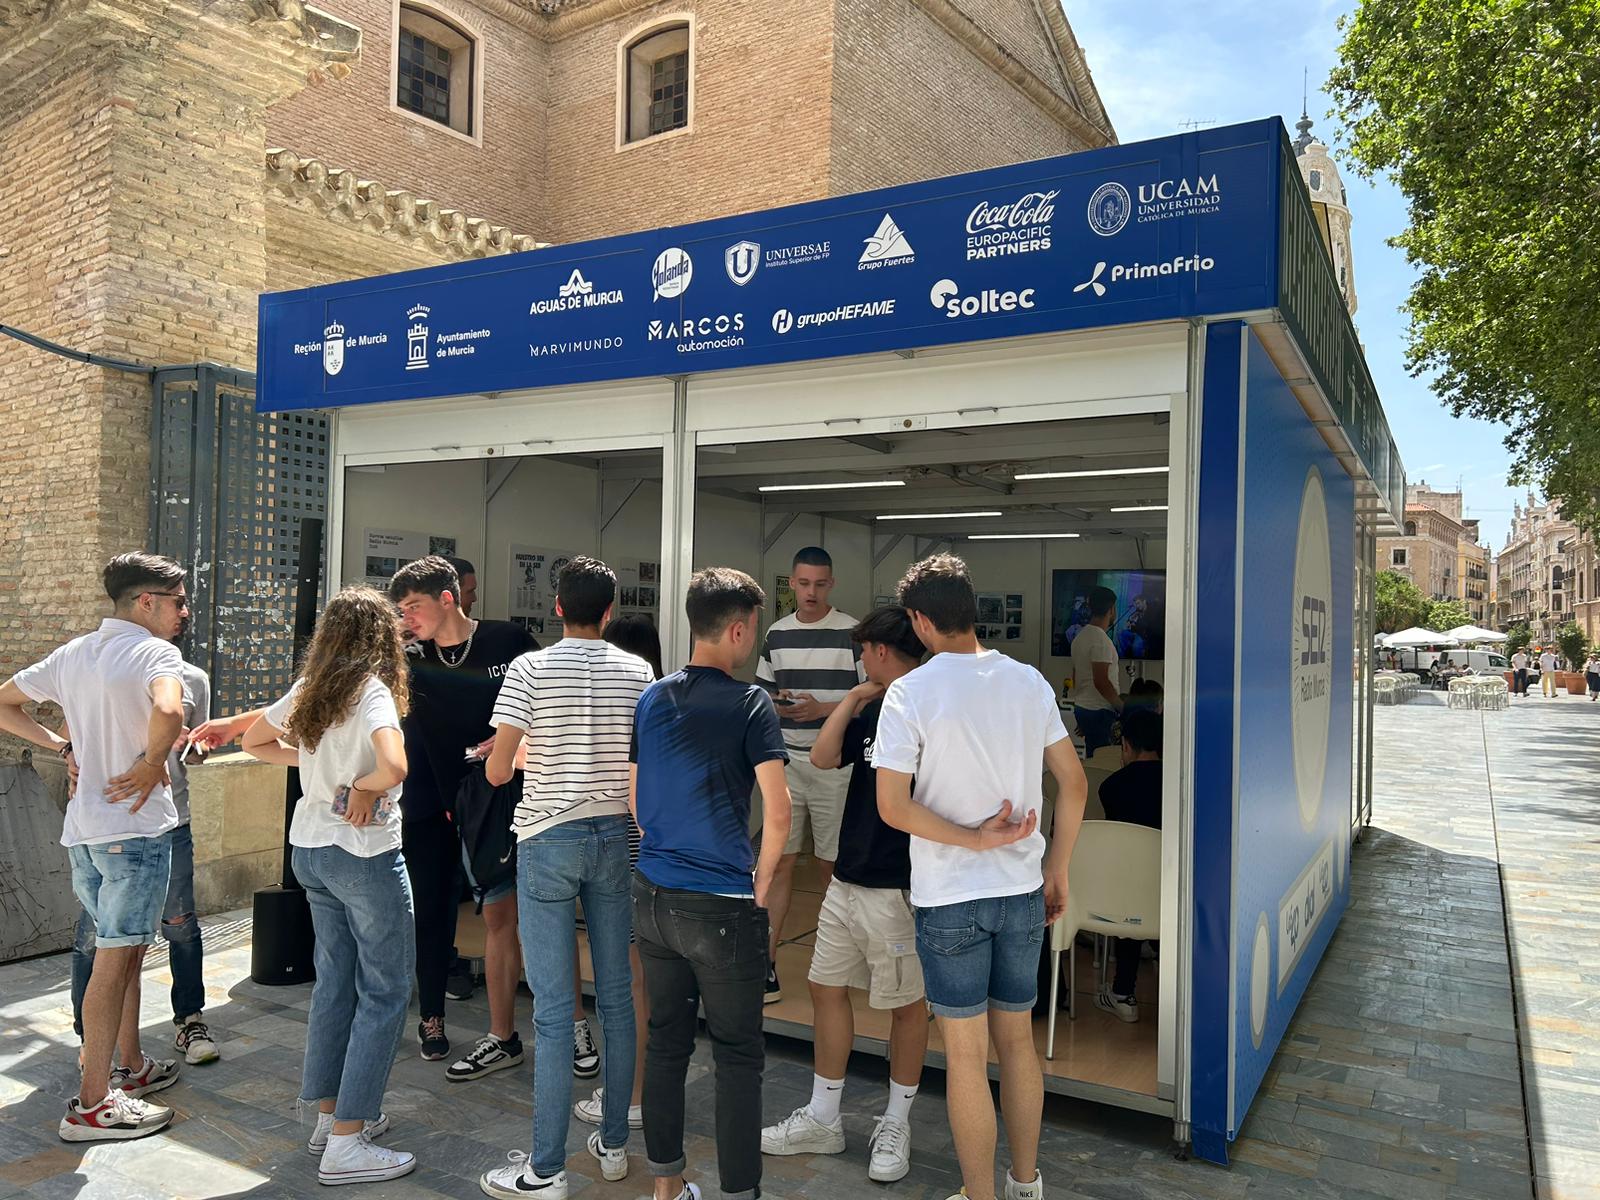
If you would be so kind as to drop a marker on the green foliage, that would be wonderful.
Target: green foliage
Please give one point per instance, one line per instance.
(1573, 643)
(1517, 638)
(1445, 614)
(1398, 603)
(1486, 114)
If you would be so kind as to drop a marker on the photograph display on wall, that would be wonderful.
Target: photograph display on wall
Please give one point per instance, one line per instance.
(1139, 630)
(532, 588)
(783, 602)
(385, 551)
(636, 588)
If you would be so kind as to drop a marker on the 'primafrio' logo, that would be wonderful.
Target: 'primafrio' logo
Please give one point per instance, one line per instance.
(1310, 648)
(671, 273)
(1109, 209)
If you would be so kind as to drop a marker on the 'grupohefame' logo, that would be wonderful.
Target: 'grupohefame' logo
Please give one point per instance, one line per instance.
(1109, 209)
(333, 348)
(1311, 649)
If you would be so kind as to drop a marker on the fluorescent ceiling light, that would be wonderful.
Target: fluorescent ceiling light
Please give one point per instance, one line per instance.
(1008, 537)
(1141, 508)
(958, 516)
(1094, 474)
(830, 487)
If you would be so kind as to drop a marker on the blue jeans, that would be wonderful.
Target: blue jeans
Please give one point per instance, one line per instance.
(982, 954)
(179, 926)
(581, 860)
(366, 951)
(123, 887)
(1095, 725)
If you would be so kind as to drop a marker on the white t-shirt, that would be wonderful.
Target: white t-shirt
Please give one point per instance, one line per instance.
(575, 701)
(102, 682)
(973, 729)
(1547, 661)
(1519, 661)
(1090, 646)
(343, 755)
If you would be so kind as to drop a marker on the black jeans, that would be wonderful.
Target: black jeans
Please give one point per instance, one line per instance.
(432, 850)
(1519, 683)
(698, 948)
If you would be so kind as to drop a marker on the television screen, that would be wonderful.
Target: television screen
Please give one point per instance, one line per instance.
(1139, 630)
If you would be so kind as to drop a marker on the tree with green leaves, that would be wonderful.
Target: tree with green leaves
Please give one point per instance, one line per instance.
(1573, 644)
(1518, 637)
(1398, 603)
(1487, 115)
(1446, 614)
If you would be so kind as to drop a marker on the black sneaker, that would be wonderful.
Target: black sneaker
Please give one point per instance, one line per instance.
(434, 1043)
(585, 1055)
(458, 984)
(774, 992)
(488, 1056)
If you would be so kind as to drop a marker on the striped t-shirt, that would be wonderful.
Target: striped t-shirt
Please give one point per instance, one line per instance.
(575, 701)
(817, 658)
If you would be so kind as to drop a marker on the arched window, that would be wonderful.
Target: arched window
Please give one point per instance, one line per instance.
(1411, 529)
(1316, 180)
(656, 83)
(436, 70)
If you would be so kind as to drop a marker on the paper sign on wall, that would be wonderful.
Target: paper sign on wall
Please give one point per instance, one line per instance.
(385, 551)
(999, 616)
(532, 587)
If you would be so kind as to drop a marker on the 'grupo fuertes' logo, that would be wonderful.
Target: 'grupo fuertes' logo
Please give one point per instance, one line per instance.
(1311, 648)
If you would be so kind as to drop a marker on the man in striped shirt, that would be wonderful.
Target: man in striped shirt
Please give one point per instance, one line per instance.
(810, 664)
(572, 705)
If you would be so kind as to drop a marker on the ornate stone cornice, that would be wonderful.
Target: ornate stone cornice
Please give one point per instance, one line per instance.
(381, 210)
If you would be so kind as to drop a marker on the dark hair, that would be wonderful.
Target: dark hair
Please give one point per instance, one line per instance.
(717, 597)
(1141, 729)
(430, 576)
(1101, 601)
(889, 626)
(813, 556)
(128, 576)
(636, 633)
(585, 588)
(940, 589)
(462, 566)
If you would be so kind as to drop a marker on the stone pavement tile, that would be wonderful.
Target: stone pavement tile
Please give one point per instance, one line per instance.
(1318, 1142)
(1379, 1181)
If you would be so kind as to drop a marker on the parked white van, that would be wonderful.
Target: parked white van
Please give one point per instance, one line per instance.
(1472, 662)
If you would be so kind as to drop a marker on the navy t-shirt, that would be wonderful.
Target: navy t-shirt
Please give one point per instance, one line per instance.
(872, 853)
(698, 736)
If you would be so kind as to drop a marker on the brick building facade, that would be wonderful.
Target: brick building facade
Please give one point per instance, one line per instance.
(168, 160)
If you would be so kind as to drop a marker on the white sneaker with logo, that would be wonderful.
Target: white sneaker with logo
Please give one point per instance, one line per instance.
(801, 1133)
(518, 1178)
(593, 1110)
(585, 1054)
(356, 1158)
(318, 1141)
(1025, 1191)
(889, 1151)
(1124, 1008)
(613, 1160)
(195, 1042)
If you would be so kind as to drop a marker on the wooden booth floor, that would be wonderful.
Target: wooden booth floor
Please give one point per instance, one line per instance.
(1094, 1051)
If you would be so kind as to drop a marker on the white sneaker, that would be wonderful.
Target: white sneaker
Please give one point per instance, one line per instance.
(520, 1179)
(593, 1110)
(613, 1160)
(118, 1117)
(357, 1159)
(1025, 1191)
(585, 1054)
(318, 1141)
(801, 1133)
(1124, 1008)
(889, 1151)
(195, 1042)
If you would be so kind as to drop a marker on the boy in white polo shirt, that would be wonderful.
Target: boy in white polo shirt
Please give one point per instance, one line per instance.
(121, 689)
(972, 726)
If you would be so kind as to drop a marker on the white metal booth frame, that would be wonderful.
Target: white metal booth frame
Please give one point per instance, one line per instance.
(1267, 405)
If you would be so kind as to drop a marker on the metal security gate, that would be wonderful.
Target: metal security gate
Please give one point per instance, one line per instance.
(229, 490)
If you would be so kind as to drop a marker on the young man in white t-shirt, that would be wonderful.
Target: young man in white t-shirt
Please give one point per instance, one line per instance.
(972, 726)
(1549, 681)
(1519, 677)
(568, 711)
(1096, 702)
(121, 689)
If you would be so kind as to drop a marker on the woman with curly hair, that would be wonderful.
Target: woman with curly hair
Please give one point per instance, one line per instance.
(340, 725)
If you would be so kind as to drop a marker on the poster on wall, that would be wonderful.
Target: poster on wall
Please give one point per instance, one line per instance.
(999, 616)
(1139, 630)
(385, 551)
(532, 588)
(783, 602)
(637, 591)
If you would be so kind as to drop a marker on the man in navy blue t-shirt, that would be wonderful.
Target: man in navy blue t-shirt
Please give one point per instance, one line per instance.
(702, 741)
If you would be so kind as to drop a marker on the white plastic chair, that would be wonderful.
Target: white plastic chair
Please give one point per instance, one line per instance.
(1113, 888)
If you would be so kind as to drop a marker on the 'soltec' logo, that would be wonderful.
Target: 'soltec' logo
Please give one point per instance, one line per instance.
(946, 295)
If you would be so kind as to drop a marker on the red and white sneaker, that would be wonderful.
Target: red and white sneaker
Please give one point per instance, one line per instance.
(153, 1075)
(118, 1117)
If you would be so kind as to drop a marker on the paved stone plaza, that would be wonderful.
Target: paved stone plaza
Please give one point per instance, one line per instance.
(1401, 1077)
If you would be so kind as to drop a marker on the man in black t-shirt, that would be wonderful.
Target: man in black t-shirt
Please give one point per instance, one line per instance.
(866, 936)
(457, 665)
(1132, 794)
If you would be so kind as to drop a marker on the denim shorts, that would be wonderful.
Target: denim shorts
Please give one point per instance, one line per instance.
(982, 954)
(122, 885)
(500, 891)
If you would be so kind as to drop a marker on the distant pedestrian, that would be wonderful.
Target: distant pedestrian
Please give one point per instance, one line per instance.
(1519, 673)
(1548, 680)
(1591, 674)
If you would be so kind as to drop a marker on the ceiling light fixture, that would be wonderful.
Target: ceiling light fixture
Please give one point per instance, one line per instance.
(1009, 537)
(1093, 474)
(830, 487)
(955, 516)
(1141, 508)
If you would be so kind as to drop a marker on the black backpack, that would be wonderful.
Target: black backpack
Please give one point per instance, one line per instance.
(483, 815)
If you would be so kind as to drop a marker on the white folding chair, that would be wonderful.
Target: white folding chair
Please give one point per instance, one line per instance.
(1114, 889)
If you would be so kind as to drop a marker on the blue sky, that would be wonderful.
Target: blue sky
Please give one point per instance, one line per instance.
(1162, 63)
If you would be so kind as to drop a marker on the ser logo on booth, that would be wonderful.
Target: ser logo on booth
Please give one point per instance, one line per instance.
(333, 348)
(886, 247)
(1310, 656)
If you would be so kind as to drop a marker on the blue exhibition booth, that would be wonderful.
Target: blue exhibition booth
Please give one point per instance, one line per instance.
(1131, 364)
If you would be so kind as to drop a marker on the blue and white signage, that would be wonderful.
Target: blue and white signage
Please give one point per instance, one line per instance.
(1151, 231)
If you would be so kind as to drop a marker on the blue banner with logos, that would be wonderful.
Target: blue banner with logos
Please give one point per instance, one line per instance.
(1179, 227)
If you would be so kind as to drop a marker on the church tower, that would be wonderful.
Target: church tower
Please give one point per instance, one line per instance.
(1327, 194)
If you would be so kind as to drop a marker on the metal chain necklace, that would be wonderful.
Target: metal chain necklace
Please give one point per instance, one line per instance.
(466, 649)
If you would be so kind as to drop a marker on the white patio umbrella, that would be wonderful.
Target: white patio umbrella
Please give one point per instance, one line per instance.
(1476, 633)
(1417, 636)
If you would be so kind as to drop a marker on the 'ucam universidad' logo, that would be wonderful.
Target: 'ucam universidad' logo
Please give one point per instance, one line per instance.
(1109, 209)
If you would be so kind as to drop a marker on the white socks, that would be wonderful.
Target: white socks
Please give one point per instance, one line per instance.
(900, 1098)
(825, 1097)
